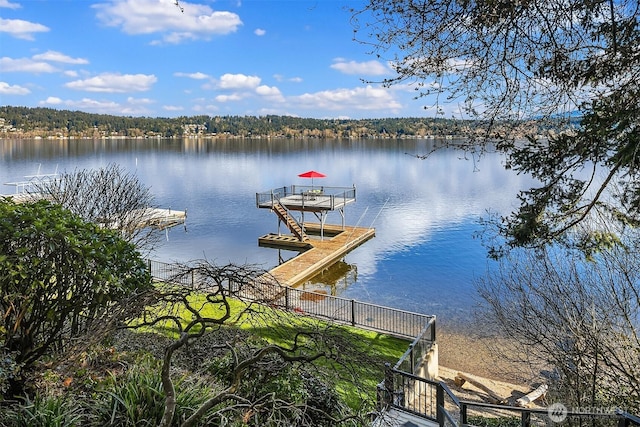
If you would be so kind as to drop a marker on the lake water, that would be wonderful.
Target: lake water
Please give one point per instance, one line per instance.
(424, 257)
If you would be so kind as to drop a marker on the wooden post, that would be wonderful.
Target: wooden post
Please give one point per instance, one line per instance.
(623, 422)
(530, 397)
(525, 419)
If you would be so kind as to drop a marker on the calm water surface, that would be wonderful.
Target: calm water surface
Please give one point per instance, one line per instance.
(424, 257)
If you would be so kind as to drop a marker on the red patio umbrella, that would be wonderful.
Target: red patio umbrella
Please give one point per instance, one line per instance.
(312, 174)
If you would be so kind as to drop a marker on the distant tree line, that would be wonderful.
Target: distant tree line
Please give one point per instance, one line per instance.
(45, 122)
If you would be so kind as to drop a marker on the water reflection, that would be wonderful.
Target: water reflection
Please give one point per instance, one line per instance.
(424, 257)
(335, 280)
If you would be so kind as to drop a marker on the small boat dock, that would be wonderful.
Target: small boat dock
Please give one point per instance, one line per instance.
(319, 255)
(320, 244)
(27, 191)
(158, 218)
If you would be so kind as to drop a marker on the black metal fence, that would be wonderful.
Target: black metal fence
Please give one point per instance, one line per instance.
(434, 401)
(387, 320)
(334, 195)
(402, 388)
(547, 416)
(413, 358)
(424, 398)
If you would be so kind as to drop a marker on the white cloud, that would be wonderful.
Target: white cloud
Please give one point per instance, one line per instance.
(139, 101)
(195, 76)
(115, 83)
(229, 98)
(259, 32)
(53, 56)
(25, 65)
(206, 109)
(238, 81)
(21, 29)
(361, 98)
(9, 5)
(369, 68)
(271, 92)
(172, 107)
(281, 78)
(52, 100)
(7, 89)
(197, 21)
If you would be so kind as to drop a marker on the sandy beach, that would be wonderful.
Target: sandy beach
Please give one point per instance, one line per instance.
(462, 350)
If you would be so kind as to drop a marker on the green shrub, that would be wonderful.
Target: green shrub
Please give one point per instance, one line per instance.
(9, 368)
(45, 411)
(136, 397)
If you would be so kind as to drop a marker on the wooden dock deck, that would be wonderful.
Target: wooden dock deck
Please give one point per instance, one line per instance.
(321, 255)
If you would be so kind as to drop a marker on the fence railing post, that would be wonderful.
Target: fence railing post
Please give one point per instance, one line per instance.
(353, 312)
(463, 414)
(388, 385)
(440, 405)
(412, 359)
(433, 329)
(286, 298)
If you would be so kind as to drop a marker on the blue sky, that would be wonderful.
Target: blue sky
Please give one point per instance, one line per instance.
(158, 59)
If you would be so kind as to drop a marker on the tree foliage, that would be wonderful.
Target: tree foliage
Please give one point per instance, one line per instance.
(576, 318)
(109, 196)
(514, 60)
(29, 122)
(63, 281)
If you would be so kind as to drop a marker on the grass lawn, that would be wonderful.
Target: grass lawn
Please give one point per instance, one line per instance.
(370, 350)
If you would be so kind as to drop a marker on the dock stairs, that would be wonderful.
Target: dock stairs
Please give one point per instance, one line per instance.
(294, 226)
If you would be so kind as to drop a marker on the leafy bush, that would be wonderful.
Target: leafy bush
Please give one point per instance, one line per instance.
(64, 282)
(9, 368)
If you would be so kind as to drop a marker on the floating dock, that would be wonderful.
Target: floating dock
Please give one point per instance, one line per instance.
(317, 254)
(158, 218)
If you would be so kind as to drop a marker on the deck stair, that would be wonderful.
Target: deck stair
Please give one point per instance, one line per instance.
(285, 216)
